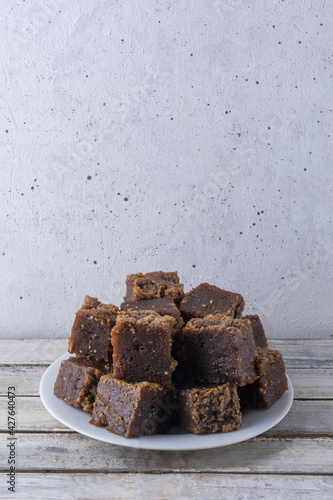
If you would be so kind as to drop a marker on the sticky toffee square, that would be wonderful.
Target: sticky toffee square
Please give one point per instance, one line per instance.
(271, 383)
(259, 335)
(209, 409)
(142, 347)
(77, 381)
(91, 332)
(164, 306)
(208, 299)
(219, 349)
(155, 285)
(132, 409)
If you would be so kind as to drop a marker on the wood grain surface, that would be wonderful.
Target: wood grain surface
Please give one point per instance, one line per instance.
(292, 460)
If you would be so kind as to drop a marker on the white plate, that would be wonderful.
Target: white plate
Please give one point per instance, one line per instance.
(255, 422)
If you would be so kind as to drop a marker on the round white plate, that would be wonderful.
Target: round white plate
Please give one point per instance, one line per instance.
(255, 422)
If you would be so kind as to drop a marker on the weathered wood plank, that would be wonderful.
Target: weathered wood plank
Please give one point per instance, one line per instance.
(57, 451)
(31, 351)
(299, 353)
(305, 417)
(308, 383)
(312, 383)
(312, 417)
(24, 378)
(31, 415)
(307, 353)
(176, 486)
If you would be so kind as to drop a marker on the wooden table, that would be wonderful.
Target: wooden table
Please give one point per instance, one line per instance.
(292, 460)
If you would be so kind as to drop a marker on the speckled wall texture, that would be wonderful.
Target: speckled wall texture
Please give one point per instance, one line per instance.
(147, 135)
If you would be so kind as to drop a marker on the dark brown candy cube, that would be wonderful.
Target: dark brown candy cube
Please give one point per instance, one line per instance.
(209, 409)
(142, 344)
(219, 349)
(91, 332)
(77, 381)
(248, 397)
(155, 285)
(164, 306)
(271, 383)
(209, 299)
(132, 409)
(259, 336)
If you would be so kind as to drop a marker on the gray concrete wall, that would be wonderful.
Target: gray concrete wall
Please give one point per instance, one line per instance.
(147, 135)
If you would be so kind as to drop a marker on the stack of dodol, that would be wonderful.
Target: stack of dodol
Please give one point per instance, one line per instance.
(169, 358)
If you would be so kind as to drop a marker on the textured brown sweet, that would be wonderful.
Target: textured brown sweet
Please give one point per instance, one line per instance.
(77, 380)
(132, 409)
(209, 299)
(219, 349)
(164, 306)
(209, 409)
(142, 345)
(259, 336)
(155, 285)
(91, 332)
(271, 383)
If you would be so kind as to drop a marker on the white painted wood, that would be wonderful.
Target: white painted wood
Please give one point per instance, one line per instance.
(25, 378)
(258, 468)
(296, 353)
(313, 417)
(73, 486)
(305, 353)
(59, 451)
(31, 351)
(31, 415)
(312, 383)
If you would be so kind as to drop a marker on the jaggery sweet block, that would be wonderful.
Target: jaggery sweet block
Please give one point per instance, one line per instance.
(132, 409)
(142, 347)
(164, 306)
(91, 332)
(248, 396)
(155, 285)
(219, 349)
(209, 299)
(271, 383)
(259, 335)
(77, 381)
(182, 377)
(209, 409)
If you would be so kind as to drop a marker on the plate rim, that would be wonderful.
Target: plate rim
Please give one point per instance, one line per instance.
(158, 442)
